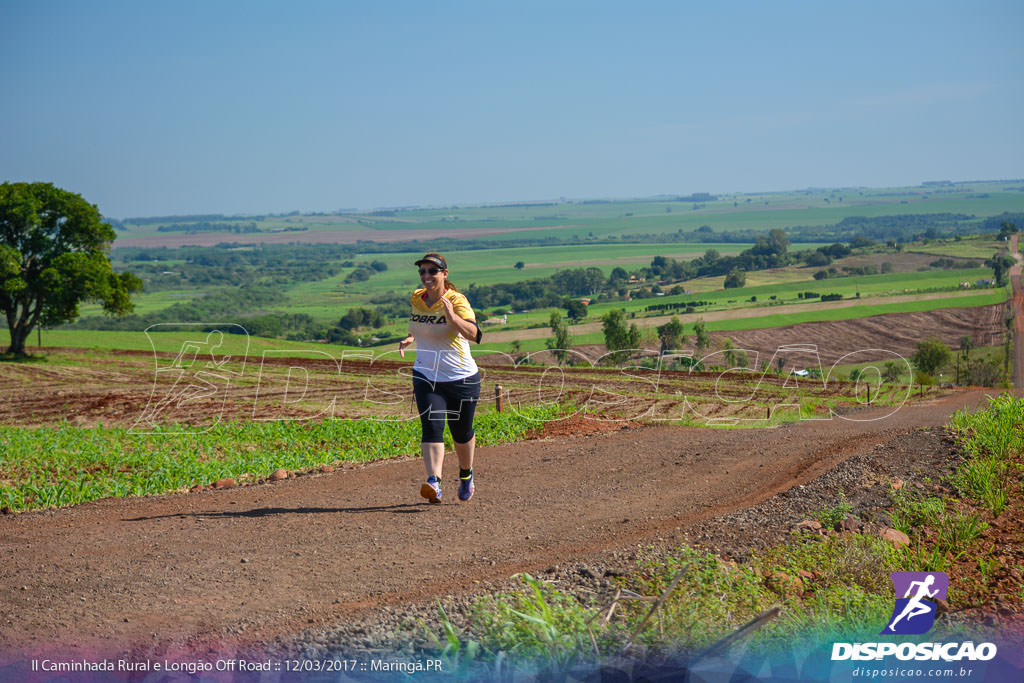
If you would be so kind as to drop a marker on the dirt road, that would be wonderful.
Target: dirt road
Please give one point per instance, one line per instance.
(186, 573)
(1018, 312)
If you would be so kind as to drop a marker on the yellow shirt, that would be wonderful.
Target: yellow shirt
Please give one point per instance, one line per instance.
(442, 355)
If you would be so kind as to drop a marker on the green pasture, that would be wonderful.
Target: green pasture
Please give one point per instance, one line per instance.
(763, 213)
(710, 290)
(860, 311)
(787, 284)
(148, 302)
(769, 320)
(979, 248)
(329, 298)
(64, 465)
(730, 212)
(171, 342)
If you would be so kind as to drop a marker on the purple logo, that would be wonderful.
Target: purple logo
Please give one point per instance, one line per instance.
(912, 615)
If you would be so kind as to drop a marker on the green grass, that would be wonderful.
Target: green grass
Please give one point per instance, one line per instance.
(860, 311)
(329, 298)
(967, 249)
(780, 320)
(835, 588)
(65, 465)
(991, 437)
(710, 290)
(170, 342)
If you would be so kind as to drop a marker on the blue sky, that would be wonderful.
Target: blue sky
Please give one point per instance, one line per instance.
(158, 108)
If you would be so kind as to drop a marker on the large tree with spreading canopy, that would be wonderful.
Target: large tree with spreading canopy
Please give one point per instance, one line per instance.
(54, 250)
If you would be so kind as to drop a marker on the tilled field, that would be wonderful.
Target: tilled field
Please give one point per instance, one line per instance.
(126, 389)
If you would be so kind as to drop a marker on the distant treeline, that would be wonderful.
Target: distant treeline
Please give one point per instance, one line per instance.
(769, 251)
(695, 197)
(267, 264)
(206, 226)
(689, 305)
(251, 307)
(540, 292)
(153, 220)
(994, 223)
(221, 305)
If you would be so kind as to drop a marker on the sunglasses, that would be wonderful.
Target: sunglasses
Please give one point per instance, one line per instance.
(432, 271)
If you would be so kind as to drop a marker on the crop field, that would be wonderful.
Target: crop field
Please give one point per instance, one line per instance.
(563, 218)
(978, 248)
(771, 314)
(127, 389)
(328, 298)
(80, 425)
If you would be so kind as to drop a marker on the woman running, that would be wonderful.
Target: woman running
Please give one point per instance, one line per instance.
(445, 378)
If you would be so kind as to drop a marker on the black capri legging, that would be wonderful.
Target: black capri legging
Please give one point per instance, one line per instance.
(455, 401)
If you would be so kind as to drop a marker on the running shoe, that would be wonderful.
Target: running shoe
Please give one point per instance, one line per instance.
(466, 488)
(432, 489)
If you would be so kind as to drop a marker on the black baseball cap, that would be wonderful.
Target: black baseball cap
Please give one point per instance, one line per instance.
(435, 259)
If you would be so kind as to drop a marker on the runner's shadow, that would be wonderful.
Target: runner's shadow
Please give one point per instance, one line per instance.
(403, 509)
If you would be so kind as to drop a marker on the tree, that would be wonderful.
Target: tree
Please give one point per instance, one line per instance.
(520, 265)
(575, 309)
(671, 335)
(982, 373)
(616, 336)
(701, 338)
(735, 279)
(818, 258)
(1000, 264)
(891, 373)
(931, 355)
(735, 358)
(560, 343)
(53, 256)
(618, 275)
(965, 353)
(965, 346)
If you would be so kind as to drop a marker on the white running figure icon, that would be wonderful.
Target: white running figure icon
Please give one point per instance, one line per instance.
(915, 607)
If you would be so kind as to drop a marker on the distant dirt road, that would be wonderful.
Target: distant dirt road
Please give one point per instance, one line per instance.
(184, 573)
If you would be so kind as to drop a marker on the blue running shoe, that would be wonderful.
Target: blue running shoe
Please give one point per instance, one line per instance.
(466, 488)
(432, 489)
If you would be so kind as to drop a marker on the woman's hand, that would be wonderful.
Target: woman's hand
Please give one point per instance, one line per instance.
(456, 322)
(449, 307)
(404, 343)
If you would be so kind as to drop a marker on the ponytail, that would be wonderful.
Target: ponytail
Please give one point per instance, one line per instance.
(448, 285)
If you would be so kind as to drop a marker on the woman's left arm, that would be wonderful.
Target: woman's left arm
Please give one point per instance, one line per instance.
(467, 328)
